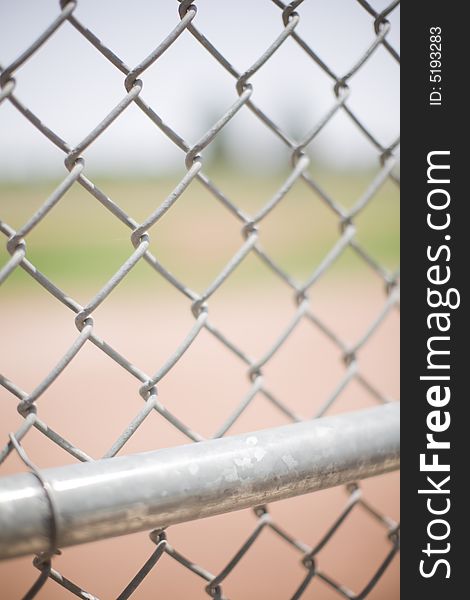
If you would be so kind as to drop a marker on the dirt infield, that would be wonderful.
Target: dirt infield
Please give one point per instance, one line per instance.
(94, 399)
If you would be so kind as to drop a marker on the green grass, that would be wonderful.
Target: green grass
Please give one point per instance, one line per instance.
(81, 243)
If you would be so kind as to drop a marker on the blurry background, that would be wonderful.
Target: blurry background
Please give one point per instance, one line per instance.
(71, 87)
(80, 245)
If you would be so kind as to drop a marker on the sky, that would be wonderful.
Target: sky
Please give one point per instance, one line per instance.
(70, 86)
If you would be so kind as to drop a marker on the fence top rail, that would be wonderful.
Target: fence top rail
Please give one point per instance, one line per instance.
(119, 495)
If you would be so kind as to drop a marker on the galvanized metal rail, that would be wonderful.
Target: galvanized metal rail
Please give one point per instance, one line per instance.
(114, 496)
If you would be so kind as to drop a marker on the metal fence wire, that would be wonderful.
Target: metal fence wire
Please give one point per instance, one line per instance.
(250, 225)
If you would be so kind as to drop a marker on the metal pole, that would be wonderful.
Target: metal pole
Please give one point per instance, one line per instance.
(114, 496)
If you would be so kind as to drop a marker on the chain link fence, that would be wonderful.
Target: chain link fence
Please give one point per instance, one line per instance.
(250, 225)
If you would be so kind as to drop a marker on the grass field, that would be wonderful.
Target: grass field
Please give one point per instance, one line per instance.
(80, 243)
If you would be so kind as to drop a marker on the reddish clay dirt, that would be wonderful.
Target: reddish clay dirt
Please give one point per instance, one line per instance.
(93, 399)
